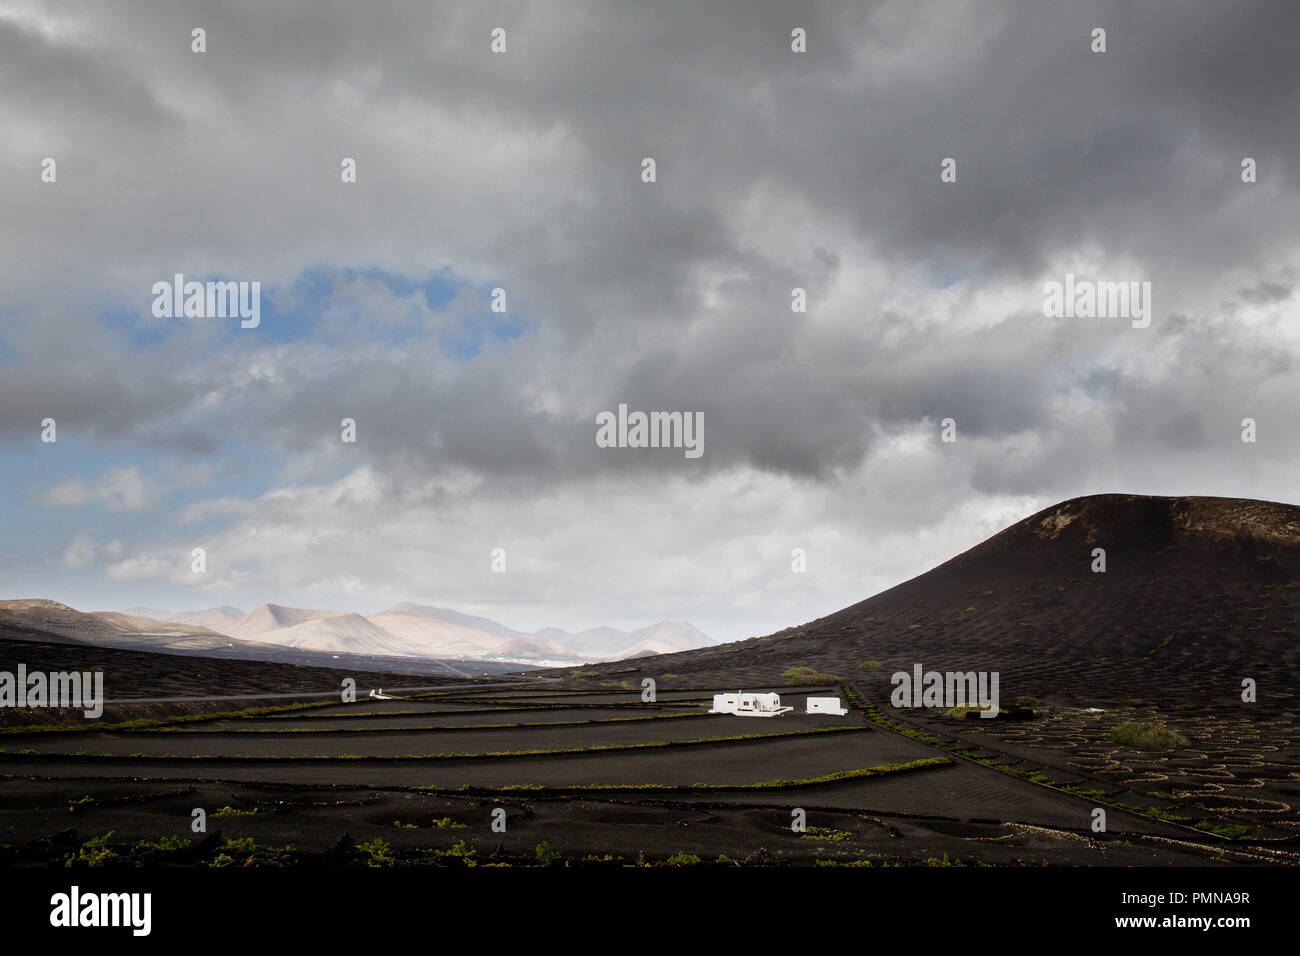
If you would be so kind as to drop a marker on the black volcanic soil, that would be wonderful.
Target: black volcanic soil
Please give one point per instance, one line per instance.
(1197, 595)
(90, 795)
(132, 674)
(615, 805)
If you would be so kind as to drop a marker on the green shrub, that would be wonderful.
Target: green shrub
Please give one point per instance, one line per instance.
(94, 852)
(459, 849)
(1233, 831)
(376, 852)
(167, 843)
(826, 833)
(806, 675)
(961, 711)
(1145, 736)
(845, 863)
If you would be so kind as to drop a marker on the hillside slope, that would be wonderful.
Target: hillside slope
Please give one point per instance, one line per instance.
(1198, 593)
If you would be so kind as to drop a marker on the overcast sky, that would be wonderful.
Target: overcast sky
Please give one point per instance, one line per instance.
(523, 170)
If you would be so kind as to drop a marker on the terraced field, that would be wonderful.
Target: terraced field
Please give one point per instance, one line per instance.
(592, 774)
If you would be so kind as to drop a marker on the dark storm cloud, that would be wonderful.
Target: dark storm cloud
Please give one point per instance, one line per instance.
(229, 160)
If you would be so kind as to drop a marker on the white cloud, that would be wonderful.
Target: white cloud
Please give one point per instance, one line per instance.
(67, 494)
(81, 550)
(118, 490)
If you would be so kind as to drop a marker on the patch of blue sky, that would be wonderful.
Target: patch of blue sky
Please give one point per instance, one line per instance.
(27, 477)
(476, 333)
(952, 273)
(140, 327)
(320, 307)
(460, 340)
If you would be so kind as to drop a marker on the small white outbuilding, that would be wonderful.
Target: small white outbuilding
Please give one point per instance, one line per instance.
(748, 705)
(826, 705)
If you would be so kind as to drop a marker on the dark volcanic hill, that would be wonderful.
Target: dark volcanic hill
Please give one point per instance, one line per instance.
(1197, 594)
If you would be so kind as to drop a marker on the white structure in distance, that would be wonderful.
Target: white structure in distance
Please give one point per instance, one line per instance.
(826, 705)
(749, 705)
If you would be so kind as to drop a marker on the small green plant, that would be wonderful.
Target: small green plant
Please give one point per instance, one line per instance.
(94, 852)
(826, 833)
(1233, 831)
(167, 844)
(1146, 736)
(869, 666)
(960, 712)
(682, 859)
(806, 675)
(1157, 813)
(1163, 643)
(544, 852)
(376, 852)
(845, 863)
(460, 850)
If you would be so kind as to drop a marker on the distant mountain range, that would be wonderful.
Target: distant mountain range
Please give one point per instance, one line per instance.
(50, 622)
(405, 630)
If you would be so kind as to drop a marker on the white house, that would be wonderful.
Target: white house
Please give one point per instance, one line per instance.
(826, 705)
(749, 705)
